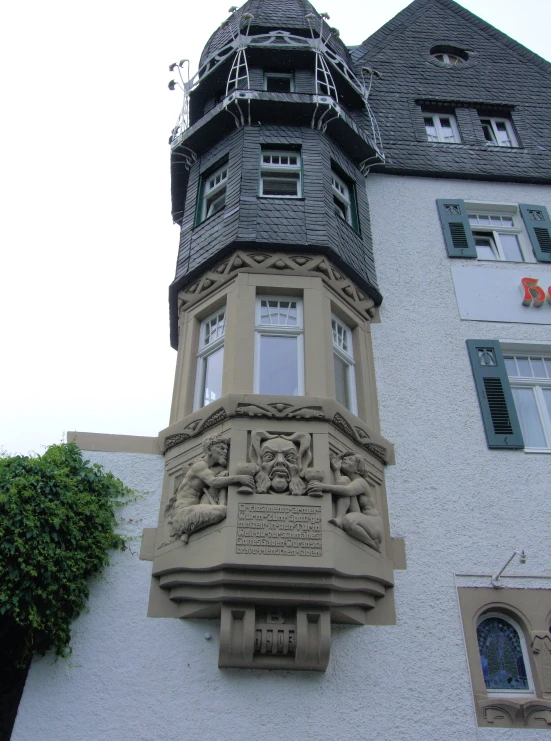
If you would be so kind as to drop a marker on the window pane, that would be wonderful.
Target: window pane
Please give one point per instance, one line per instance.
(501, 655)
(340, 208)
(511, 367)
(510, 246)
(537, 367)
(278, 371)
(524, 368)
(278, 313)
(548, 366)
(342, 386)
(529, 418)
(488, 132)
(212, 376)
(431, 129)
(547, 399)
(485, 249)
(279, 184)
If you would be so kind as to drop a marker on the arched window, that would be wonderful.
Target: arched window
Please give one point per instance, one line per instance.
(503, 655)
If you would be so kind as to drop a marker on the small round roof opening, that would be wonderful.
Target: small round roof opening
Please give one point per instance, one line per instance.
(449, 56)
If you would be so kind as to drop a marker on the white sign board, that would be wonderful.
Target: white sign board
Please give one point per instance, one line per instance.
(496, 294)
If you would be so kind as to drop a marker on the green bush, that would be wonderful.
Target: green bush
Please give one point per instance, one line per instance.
(57, 524)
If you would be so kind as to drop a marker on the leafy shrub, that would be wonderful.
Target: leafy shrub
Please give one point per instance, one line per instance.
(57, 524)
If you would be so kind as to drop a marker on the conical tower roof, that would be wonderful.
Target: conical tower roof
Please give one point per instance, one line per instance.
(270, 15)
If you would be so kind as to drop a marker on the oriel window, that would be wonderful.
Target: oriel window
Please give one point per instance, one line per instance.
(280, 174)
(279, 346)
(210, 359)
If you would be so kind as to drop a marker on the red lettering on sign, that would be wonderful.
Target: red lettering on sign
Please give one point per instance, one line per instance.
(533, 294)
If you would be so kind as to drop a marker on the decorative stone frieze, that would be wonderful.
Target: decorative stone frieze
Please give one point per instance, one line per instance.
(277, 263)
(278, 408)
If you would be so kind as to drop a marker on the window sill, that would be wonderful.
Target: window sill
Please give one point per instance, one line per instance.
(545, 451)
(279, 198)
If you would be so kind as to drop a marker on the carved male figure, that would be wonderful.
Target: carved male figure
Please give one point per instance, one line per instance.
(356, 508)
(197, 502)
(281, 460)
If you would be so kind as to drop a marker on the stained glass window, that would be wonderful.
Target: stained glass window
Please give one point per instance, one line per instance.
(501, 655)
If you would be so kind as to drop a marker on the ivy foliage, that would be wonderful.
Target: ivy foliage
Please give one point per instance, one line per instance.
(57, 525)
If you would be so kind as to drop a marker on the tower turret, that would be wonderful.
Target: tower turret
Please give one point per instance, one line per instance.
(274, 508)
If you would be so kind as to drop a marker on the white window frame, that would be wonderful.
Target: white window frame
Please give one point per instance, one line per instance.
(271, 330)
(531, 691)
(494, 230)
(493, 121)
(348, 358)
(343, 192)
(440, 136)
(205, 350)
(214, 185)
(275, 166)
(523, 350)
(287, 75)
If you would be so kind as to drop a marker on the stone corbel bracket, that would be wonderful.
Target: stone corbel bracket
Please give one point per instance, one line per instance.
(507, 713)
(274, 407)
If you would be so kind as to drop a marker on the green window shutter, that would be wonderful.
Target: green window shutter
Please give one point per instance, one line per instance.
(457, 230)
(538, 226)
(494, 395)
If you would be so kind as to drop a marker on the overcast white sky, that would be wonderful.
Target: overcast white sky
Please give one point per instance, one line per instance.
(88, 245)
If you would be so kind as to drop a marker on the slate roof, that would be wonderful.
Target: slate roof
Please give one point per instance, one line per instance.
(270, 15)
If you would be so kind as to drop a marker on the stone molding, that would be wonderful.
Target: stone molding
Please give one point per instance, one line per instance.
(278, 407)
(278, 263)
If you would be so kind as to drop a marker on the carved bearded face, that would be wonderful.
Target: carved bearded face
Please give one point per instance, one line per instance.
(279, 462)
(218, 453)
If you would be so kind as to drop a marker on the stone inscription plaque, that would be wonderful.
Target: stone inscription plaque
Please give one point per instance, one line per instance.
(278, 530)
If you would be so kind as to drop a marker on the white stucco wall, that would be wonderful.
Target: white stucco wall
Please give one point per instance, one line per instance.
(461, 508)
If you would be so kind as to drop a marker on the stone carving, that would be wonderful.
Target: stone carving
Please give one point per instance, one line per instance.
(280, 461)
(279, 262)
(200, 499)
(195, 428)
(541, 648)
(280, 410)
(356, 507)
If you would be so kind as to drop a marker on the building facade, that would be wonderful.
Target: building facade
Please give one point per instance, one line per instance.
(346, 530)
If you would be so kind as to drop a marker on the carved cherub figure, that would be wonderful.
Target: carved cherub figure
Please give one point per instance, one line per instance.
(195, 504)
(356, 510)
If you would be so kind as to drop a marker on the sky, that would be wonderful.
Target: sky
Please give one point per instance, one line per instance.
(88, 248)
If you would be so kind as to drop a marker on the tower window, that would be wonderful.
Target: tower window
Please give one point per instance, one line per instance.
(279, 82)
(212, 193)
(498, 131)
(210, 359)
(344, 201)
(280, 174)
(279, 353)
(343, 360)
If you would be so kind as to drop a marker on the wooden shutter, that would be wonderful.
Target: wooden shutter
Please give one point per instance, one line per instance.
(494, 395)
(457, 230)
(538, 226)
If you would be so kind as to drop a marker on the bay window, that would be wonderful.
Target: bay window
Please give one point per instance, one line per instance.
(210, 359)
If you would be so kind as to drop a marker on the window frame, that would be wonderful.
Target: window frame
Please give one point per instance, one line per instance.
(270, 330)
(440, 138)
(348, 358)
(537, 383)
(493, 121)
(531, 691)
(212, 194)
(518, 229)
(347, 199)
(287, 75)
(272, 168)
(205, 350)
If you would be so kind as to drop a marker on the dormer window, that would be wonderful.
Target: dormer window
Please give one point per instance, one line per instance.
(279, 82)
(498, 131)
(441, 129)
